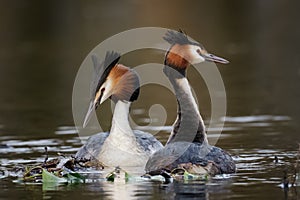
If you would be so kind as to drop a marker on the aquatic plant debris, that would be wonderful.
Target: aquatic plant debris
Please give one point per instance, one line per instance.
(55, 171)
(69, 170)
(183, 174)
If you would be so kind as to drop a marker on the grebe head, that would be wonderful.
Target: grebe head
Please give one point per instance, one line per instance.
(112, 80)
(184, 52)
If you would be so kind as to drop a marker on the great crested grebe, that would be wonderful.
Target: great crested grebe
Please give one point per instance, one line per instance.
(122, 146)
(187, 145)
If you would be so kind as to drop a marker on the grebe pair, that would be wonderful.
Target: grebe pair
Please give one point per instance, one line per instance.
(187, 144)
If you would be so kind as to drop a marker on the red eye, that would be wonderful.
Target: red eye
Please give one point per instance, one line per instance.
(199, 51)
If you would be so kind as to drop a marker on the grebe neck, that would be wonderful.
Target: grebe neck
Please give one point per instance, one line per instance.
(120, 123)
(189, 125)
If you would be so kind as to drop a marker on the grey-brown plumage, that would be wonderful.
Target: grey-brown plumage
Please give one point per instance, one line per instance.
(177, 153)
(93, 145)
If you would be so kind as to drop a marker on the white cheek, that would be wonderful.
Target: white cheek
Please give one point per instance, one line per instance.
(198, 59)
(195, 57)
(108, 85)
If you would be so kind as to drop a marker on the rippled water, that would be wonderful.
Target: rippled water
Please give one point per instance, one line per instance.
(258, 175)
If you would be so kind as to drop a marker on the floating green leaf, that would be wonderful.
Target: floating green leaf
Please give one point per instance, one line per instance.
(110, 177)
(75, 178)
(48, 177)
(127, 176)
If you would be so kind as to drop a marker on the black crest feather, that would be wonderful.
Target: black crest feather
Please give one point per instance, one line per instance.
(178, 37)
(102, 69)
